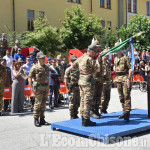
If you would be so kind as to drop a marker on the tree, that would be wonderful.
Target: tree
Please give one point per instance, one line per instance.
(78, 29)
(137, 24)
(45, 37)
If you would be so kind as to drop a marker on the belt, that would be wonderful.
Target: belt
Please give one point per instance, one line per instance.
(42, 84)
(120, 73)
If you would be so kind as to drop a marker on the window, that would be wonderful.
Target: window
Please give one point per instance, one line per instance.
(77, 1)
(108, 25)
(129, 5)
(102, 4)
(42, 14)
(69, 0)
(134, 6)
(30, 20)
(103, 23)
(148, 8)
(109, 4)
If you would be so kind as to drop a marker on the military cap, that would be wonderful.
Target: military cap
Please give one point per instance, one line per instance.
(7, 51)
(40, 55)
(49, 58)
(93, 48)
(17, 41)
(58, 57)
(19, 49)
(20, 60)
(73, 57)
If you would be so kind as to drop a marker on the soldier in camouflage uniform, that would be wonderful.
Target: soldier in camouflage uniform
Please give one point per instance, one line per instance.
(15, 48)
(8, 82)
(3, 46)
(40, 74)
(2, 84)
(87, 67)
(107, 84)
(123, 75)
(71, 82)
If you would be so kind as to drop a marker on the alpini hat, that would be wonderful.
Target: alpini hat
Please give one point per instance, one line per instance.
(58, 57)
(93, 48)
(40, 55)
(73, 57)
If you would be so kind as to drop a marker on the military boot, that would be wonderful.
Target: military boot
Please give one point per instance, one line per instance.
(97, 113)
(127, 116)
(122, 115)
(82, 120)
(88, 122)
(76, 116)
(93, 115)
(104, 111)
(43, 122)
(36, 122)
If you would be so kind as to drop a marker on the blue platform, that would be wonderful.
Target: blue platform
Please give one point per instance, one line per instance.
(108, 127)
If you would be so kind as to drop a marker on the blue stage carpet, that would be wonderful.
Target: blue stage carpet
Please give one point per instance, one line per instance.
(108, 127)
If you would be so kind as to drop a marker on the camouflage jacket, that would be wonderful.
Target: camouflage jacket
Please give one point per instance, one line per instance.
(4, 44)
(40, 74)
(62, 71)
(122, 65)
(87, 67)
(107, 72)
(2, 75)
(71, 79)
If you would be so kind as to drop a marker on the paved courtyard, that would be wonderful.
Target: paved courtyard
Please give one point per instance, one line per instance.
(19, 133)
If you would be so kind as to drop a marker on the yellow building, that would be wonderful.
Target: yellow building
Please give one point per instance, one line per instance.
(18, 15)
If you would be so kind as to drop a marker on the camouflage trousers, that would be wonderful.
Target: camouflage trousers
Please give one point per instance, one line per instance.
(97, 95)
(40, 101)
(105, 98)
(1, 96)
(124, 95)
(74, 100)
(86, 95)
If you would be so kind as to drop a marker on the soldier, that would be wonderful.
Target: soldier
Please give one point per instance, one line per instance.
(107, 84)
(87, 67)
(14, 49)
(40, 74)
(2, 85)
(8, 82)
(3, 45)
(71, 82)
(123, 75)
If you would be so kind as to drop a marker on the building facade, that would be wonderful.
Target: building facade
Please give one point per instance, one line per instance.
(18, 15)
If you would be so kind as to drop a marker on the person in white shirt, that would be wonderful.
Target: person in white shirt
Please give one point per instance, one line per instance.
(8, 58)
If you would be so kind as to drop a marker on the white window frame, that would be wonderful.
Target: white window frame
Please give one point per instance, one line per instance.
(146, 8)
(132, 8)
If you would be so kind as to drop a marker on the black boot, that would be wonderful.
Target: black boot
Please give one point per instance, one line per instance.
(43, 122)
(83, 121)
(122, 116)
(104, 111)
(76, 116)
(93, 115)
(88, 122)
(127, 116)
(36, 122)
(97, 113)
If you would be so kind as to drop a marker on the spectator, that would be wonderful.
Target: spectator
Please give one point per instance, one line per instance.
(35, 51)
(142, 70)
(147, 68)
(54, 84)
(19, 55)
(14, 49)
(64, 62)
(147, 56)
(8, 58)
(34, 61)
(49, 63)
(31, 58)
(18, 88)
(13, 62)
(27, 67)
(8, 82)
(144, 56)
(3, 45)
(136, 57)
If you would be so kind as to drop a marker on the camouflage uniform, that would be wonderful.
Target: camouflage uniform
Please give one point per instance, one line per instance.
(105, 98)
(122, 66)
(74, 97)
(14, 51)
(98, 76)
(3, 47)
(2, 85)
(87, 67)
(62, 72)
(40, 74)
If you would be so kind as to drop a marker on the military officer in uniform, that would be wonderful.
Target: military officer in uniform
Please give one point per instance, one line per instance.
(107, 84)
(40, 74)
(14, 49)
(71, 82)
(3, 45)
(2, 85)
(123, 74)
(87, 67)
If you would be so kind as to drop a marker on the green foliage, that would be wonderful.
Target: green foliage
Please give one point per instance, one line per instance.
(137, 24)
(78, 29)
